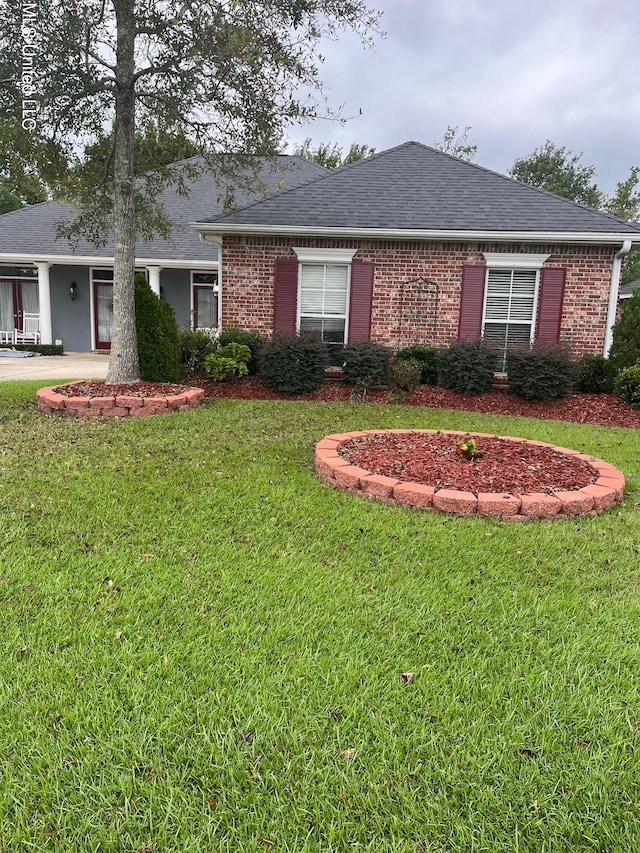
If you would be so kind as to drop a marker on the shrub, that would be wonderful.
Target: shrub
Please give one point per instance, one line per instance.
(595, 375)
(467, 367)
(227, 362)
(158, 340)
(625, 345)
(427, 357)
(366, 363)
(627, 385)
(194, 348)
(405, 373)
(293, 364)
(253, 340)
(540, 372)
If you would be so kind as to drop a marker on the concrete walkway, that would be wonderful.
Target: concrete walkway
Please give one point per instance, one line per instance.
(72, 365)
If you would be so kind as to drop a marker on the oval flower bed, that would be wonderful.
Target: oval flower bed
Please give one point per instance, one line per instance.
(509, 477)
(138, 399)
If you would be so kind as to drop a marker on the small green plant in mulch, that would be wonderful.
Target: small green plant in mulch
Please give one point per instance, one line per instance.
(254, 340)
(469, 449)
(228, 362)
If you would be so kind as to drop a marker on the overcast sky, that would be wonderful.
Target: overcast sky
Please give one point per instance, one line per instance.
(518, 72)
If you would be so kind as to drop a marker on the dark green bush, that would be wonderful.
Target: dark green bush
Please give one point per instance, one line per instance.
(625, 345)
(467, 367)
(293, 364)
(595, 375)
(540, 372)
(158, 340)
(428, 359)
(404, 374)
(627, 385)
(195, 346)
(366, 363)
(227, 362)
(253, 340)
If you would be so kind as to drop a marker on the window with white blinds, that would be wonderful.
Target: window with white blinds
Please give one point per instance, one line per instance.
(509, 308)
(324, 292)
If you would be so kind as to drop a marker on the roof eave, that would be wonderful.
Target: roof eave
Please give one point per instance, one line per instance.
(219, 229)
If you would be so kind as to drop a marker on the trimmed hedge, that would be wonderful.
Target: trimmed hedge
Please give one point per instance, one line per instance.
(540, 372)
(595, 375)
(293, 364)
(467, 367)
(627, 385)
(366, 363)
(43, 349)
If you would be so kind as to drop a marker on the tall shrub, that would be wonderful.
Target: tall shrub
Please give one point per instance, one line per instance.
(366, 363)
(158, 338)
(625, 346)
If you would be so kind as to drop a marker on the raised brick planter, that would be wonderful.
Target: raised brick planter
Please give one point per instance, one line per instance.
(118, 405)
(605, 492)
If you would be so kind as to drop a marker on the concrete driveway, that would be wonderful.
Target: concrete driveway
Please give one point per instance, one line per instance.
(72, 365)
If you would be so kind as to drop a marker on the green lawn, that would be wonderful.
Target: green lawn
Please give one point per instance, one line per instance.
(203, 645)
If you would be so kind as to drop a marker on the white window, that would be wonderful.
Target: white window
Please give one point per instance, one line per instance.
(510, 301)
(323, 296)
(204, 300)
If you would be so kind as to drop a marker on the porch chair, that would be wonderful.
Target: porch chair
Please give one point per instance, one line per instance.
(30, 332)
(6, 338)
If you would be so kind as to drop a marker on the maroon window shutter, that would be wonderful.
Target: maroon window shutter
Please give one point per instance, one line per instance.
(471, 302)
(360, 301)
(285, 296)
(550, 299)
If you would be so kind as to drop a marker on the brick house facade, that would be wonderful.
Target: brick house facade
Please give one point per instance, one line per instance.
(412, 246)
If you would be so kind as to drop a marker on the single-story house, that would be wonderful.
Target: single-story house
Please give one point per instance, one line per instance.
(413, 246)
(52, 289)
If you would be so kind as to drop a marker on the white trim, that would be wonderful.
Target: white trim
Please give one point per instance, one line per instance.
(324, 256)
(614, 289)
(514, 261)
(217, 230)
(103, 261)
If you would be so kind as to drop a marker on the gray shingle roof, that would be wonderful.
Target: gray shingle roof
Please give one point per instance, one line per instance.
(414, 187)
(32, 230)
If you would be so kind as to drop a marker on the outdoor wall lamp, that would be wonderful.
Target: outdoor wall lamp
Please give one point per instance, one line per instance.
(73, 291)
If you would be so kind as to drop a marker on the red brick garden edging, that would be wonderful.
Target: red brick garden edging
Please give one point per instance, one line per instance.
(605, 492)
(117, 405)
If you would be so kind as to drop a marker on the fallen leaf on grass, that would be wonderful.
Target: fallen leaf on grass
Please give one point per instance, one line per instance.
(349, 753)
(583, 745)
(118, 634)
(528, 753)
(407, 677)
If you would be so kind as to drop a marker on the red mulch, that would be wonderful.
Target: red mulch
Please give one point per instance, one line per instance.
(506, 466)
(602, 409)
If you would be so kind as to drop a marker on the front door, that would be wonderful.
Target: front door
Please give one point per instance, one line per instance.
(17, 296)
(103, 313)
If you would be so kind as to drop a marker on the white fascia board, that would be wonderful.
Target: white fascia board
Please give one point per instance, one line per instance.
(102, 261)
(322, 256)
(218, 230)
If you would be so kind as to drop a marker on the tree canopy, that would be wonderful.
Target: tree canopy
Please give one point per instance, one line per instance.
(230, 76)
(330, 155)
(557, 170)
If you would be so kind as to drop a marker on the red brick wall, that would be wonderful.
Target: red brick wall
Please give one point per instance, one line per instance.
(407, 306)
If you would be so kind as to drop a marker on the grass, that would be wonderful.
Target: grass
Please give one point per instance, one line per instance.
(203, 644)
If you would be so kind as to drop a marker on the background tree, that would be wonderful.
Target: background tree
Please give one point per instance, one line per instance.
(331, 156)
(558, 171)
(625, 203)
(231, 76)
(456, 143)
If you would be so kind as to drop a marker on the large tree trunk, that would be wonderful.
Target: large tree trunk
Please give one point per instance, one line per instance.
(123, 365)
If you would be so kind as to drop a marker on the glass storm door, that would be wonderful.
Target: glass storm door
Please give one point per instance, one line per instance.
(16, 297)
(103, 309)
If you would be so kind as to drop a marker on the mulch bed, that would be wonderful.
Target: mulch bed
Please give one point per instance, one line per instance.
(601, 409)
(435, 460)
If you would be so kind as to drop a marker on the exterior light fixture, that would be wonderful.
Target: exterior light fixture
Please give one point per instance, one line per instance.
(73, 291)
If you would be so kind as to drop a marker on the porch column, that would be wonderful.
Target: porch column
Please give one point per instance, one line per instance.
(44, 297)
(154, 279)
